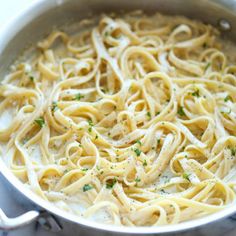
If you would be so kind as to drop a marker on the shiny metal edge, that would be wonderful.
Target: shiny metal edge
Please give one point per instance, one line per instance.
(7, 223)
(28, 14)
(6, 173)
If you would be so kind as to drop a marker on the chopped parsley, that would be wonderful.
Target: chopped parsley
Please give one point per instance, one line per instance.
(181, 111)
(158, 141)
(227, 98)
(149, 114)
(137, 180)
(163, 191)
(40, 122)
(145, 162)
(157, 113)
(54, 106)
(232, 150)
(186, 176)
(96, 137)
(138, 142)
(85, 169)
(110, 185)
(90, 122)
(137, 151)
(87, 187)
(103, 90)
(196, 93)
(78, 96)
(31, 78)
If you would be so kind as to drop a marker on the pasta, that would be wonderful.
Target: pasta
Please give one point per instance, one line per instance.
(130, 121)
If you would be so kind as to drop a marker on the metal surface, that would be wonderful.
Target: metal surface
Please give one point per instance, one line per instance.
(49, 222)
(19, 221)
(39, 19)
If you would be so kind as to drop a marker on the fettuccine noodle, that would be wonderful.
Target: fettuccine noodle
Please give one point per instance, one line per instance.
(131, 121)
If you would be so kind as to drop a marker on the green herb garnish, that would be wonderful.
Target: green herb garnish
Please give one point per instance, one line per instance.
(181, 111)
(227, 98)
(90, 122)
(110, 185)
(233, 151)
(137, 180)
(186, 176)
(196, 93)
(145, 162)
(137, 151)
(54, 106)
(138, 142)
(87, 187)
(31, 78)
(40, 122)
(162, 191)
(149, 114)
(78, 96)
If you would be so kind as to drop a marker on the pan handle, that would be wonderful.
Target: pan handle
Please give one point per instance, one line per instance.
(17, 222)
(46, 220)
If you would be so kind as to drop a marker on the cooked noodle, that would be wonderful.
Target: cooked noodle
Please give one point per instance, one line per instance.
(131, 122)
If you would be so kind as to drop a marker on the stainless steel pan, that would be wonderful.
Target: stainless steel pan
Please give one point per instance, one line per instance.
(39, 19)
